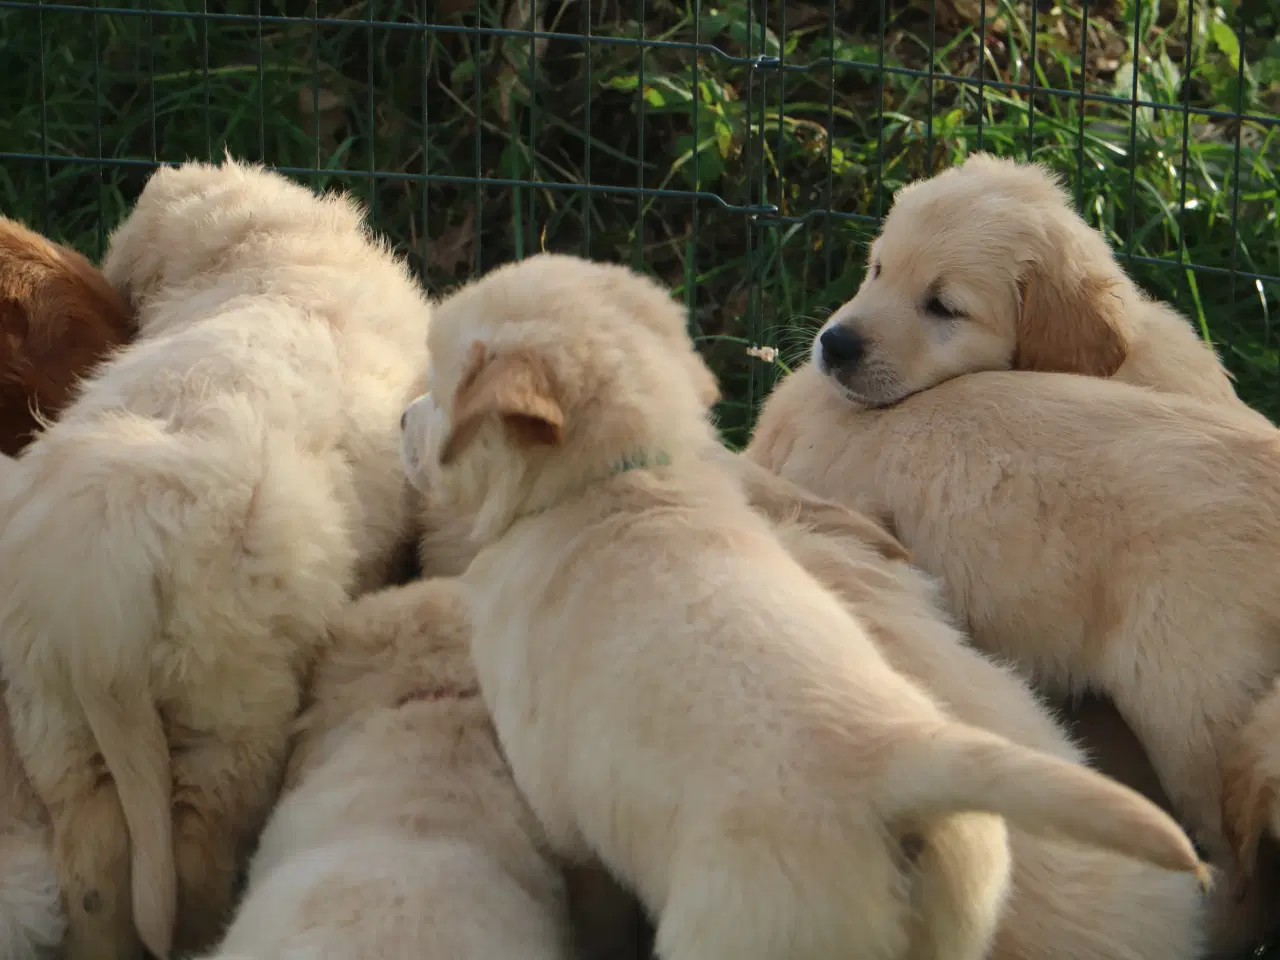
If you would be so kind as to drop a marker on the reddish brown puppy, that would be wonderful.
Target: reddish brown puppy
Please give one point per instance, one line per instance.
(58, 318)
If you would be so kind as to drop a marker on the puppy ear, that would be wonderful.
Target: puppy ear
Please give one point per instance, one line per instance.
(1069, 321)
(515, 386)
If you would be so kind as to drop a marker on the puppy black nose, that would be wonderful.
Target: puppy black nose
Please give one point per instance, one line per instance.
(403, 417)
(842, 348)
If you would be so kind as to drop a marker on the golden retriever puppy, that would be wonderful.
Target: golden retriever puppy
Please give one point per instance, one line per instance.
(59, 318)
(32, 921)
(1098, 534)
(987, 266)
(400, 832)
(176, 544)
(675, 694)
(1066, 901)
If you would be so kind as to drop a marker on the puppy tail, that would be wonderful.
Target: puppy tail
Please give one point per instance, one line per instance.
(129, 732)
(962, 768)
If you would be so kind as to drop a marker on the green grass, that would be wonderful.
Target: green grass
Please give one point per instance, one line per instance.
(351, 100)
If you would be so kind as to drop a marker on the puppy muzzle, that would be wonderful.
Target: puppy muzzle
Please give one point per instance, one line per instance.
(839, 351)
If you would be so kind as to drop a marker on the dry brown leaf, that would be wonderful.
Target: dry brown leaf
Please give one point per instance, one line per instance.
(455, 245)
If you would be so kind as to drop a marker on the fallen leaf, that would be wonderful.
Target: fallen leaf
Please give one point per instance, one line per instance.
(455, 245)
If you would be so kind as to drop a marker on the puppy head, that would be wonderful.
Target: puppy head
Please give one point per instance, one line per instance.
(983, 267)
(546, 374)
(58, 318)
(189, 219)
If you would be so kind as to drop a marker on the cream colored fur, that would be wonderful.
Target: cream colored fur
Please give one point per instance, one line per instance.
(445, 547)
(32, 921)
(1024, 283)
(1066, 901)
(1103, 536)
(400, 833)
(675, 694)
(176, 544)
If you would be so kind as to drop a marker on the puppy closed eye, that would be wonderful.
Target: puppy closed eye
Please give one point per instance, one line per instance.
(875, 269)
(935, 307)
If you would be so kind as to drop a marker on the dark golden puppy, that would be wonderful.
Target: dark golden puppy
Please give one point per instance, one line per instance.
(58, 319)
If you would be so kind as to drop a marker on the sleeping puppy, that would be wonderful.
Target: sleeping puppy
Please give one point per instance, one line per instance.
(400, 832)
(1102, 536)
(176, 544)
(59, 318)
(987, 266)
(32, 921)
(675, 694)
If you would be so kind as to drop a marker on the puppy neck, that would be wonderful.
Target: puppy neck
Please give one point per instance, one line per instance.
(601, 443)
(637, 460)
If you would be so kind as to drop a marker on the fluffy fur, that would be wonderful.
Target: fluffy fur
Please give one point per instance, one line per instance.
(1066, 901)
(58, 320)
(987, 266)
(675, 694)
(445, 547)
(32, 922)
(1105, 537)
(175, 545)
(401, 833)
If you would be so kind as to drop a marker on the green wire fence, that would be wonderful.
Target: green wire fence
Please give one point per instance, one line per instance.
(741, 151)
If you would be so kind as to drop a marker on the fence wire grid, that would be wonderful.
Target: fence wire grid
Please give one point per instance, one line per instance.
(741, 151)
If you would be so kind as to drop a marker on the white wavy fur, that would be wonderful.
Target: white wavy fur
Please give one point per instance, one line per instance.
(31, 918)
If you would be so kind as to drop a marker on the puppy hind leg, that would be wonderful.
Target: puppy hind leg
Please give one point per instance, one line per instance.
(223, 794)
(90, 837)
(91, 851)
